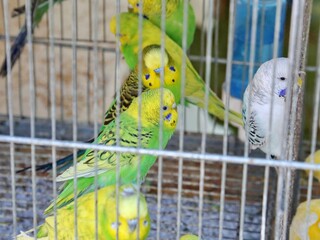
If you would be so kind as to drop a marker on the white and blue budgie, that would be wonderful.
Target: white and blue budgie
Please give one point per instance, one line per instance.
(259, 94)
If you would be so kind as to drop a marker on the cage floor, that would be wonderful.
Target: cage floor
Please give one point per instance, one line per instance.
(189, 193)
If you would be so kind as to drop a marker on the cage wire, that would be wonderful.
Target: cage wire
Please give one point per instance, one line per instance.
(205, 182)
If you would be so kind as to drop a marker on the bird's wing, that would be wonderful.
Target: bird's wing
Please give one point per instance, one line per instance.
(252, 125)
(107, 160)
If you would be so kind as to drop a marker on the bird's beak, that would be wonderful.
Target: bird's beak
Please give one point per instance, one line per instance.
(174, 106)
(158, 70)
(299, 82)
(132, 224)
(130, 8)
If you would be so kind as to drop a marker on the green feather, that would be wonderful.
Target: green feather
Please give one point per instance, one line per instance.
(128, 137)
(194, 90)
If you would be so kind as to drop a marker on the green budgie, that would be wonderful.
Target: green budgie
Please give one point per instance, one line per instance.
(152, 59)
(152, 9)
(151, 35)
(128, 137)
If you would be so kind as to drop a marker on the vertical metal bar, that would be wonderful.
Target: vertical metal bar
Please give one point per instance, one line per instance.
(6, 83)
(29, 15)
(117, 120)
(75, 106)
(269, 126)
(314, 132)
(300, 22)
(95, 104)
(264, 203)
(53, 110)
(88, 114)
(202, 52)
(104, 79)
(216, 43)
(61, 64)
(206, 100)
(280, 231)
(160, 158)
(47, 46)
(20, 71)
(10, 115)
(246, 153)
(267, 169)
(182, 101)
(140, 33)
(225, 136)
(246, 46)
(104, 10)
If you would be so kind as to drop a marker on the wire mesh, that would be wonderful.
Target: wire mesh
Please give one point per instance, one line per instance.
(207, 184)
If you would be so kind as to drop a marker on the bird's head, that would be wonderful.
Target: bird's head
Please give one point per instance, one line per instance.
(156, 61)
(128, 216)
(153, 103)
(273, 77)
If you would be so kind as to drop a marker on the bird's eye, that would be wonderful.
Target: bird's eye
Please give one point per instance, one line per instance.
(137, 4)
(282, 78)
(164, 108)
(145, 222)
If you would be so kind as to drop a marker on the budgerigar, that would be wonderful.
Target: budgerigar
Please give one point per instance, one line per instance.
(262, 91)
(106, 161)
(152, 66)
(306, 224)
(38, 9)
(316, 155)
(151, 35)
(174, 17)
(128, 218)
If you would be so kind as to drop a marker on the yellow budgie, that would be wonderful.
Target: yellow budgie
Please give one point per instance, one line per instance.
(128, 219)
(306, 229)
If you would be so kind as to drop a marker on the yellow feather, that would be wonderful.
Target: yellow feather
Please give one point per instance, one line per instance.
(316, 155)
(300, 227)
(128, 218)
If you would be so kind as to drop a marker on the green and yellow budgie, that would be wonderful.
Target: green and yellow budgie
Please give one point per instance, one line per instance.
(152, 10)
(151, 35)
(306, 225)
(152, 59)
(38, 9)
(128, 218)
(105, 162)
(316, 155)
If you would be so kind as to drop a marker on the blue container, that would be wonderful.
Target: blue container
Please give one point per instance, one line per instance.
(264, 39)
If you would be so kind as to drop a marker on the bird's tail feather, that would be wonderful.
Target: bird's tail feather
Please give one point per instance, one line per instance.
(62, 164)
(215, 106)
(15, 51)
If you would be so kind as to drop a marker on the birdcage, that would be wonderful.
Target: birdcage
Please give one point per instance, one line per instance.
(206, 181)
